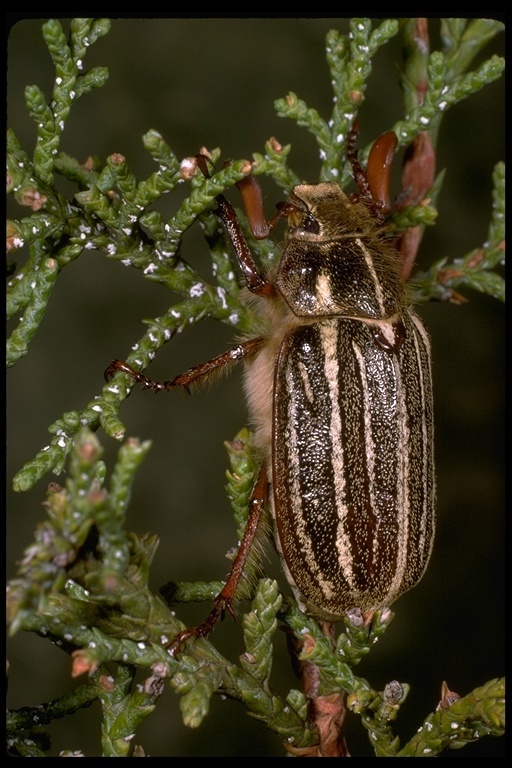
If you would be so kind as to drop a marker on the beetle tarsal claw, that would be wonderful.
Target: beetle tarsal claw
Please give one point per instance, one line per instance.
(221, 604)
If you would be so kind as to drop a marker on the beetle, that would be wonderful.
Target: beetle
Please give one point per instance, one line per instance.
(339, 393)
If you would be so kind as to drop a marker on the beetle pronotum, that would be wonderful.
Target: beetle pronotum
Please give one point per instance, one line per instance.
(340, 398)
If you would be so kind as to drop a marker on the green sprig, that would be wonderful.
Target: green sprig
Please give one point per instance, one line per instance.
(35, 304)
(349, 59)
(260, 625)
(480, 713)
(125, 707)
(481, 268)
(463, 39)
(69, 85)
(443, 92)
(26, 718)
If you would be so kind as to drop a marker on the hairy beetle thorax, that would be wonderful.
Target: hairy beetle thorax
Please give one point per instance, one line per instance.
(335, 261)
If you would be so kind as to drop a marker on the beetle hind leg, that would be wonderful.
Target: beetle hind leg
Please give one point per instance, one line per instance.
(228, 594)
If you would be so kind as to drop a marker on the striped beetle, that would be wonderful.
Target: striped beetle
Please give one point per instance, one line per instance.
(340, 399)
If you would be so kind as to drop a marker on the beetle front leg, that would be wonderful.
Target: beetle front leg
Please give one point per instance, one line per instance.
(256, 282)
(195, 375)
(224, 600)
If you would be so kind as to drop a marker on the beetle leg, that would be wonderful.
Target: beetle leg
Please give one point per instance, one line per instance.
(256, 281)
(194, 375)
(251, 193)
(224, 600)
(250, 190)
(360, 177)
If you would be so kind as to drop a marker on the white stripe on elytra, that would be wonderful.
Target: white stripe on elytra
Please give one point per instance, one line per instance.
(427, 438)
(376, 282)
(330, 341)
(403, 500)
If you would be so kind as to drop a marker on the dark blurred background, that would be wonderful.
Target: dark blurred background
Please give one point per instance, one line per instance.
(213, 82)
